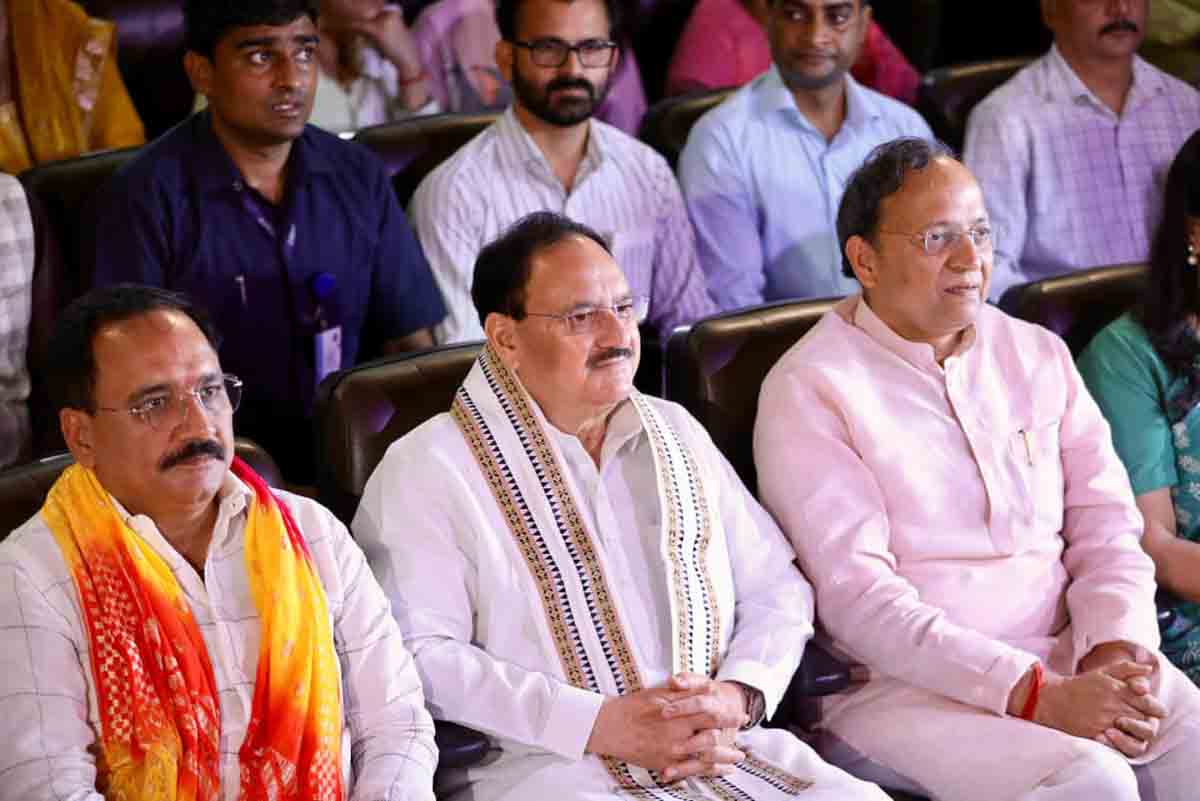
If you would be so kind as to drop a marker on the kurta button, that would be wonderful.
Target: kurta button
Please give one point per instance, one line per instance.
(237, 185)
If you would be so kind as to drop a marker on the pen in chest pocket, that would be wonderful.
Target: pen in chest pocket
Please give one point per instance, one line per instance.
(1028, 447)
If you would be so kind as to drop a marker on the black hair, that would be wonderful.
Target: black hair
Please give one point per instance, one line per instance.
(881, 175)
(70, 363)
(1171, 295)
(506, 18)
(206, 21)
(503, 266)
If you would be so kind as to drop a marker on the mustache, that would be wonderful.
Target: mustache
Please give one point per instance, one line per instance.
(610, 353)
(197, 447)
(572, 83)
(1116, 26)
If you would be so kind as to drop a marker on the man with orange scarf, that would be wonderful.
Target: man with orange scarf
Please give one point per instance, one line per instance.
(60, 92)
(170, 627)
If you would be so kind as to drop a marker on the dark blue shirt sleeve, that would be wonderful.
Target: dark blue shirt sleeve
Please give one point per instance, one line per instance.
(404, 296)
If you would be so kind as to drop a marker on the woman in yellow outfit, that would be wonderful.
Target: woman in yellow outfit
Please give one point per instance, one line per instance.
(60, 92)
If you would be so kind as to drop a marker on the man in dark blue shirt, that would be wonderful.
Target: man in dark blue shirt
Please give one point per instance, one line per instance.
(289, 236)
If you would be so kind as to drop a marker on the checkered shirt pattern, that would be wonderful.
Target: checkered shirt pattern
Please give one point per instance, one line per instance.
(16, 295)
(49, 718)
(1068, 183)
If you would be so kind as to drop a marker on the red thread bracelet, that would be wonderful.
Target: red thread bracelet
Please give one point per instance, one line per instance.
(420, 76)
(1039, 679)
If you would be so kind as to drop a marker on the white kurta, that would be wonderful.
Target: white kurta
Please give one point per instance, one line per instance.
(470, 608)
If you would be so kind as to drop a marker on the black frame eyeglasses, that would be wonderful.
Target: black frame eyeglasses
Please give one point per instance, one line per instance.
(593, 53)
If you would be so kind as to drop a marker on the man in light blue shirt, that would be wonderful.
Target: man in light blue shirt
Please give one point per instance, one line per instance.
(763, 173)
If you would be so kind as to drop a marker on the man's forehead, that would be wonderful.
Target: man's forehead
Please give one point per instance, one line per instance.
(541, 15)
(944, 184)
(298, 30)
(574, 267)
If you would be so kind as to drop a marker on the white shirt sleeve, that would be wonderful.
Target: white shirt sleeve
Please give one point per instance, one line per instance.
(413, 533)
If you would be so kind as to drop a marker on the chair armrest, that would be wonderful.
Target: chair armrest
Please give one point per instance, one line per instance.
(458, 746)
(820, 673)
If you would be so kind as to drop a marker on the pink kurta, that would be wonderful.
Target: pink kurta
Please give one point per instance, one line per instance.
(958, 521)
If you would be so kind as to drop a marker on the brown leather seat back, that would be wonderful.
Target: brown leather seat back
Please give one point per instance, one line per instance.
(361, 411)
(1076, 306)
(716, 368)
(668, 122)
(64, 190)
(411, 149)
(23, 489)
(948, 94)
(150, 56)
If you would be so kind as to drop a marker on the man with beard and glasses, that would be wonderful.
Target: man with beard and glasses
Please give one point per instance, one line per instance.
(171, 628)
(763, 173)
(579, 571)
(1073, 151)
(546, 152)
(292, 237)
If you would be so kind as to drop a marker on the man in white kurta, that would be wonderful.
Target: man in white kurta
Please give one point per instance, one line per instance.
(578, 571)
(952, 492)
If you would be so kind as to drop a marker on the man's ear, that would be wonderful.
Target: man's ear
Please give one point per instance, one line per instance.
(77, 431)
(505, 55)
(864, 260)
(199, 70)
(501, 332)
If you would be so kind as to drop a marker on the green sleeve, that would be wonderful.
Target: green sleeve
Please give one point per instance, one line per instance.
(1129, 381)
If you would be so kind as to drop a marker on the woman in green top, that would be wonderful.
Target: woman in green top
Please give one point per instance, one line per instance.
(1144, 372)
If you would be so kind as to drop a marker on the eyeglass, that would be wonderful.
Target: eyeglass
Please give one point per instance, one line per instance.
(586, 319)
(158, 410)
(554, 52)
(938, 240)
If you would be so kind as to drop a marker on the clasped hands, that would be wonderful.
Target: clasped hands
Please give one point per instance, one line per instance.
(686, 727)
(1108, 700)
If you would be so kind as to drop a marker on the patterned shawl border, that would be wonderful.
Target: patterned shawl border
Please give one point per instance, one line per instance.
(601, 608)
(546, 574)
(686, 567)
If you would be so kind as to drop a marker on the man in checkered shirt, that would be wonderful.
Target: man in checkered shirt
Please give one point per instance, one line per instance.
(1072, 153)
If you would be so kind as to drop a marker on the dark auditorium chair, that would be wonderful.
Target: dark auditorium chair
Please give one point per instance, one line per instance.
(359, 412)
(716, 366)
(23, 488)
(1077, 305)
(64, 190)
(948, 94)
(668, 122)
(412, 148)
(150, 57)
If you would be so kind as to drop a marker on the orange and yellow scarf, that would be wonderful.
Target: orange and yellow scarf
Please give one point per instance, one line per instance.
(159, 715)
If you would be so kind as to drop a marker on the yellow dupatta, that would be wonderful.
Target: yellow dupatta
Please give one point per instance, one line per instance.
(159, 714)
(69, 96)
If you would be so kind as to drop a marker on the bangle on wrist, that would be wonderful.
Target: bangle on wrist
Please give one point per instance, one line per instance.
(1035, 689)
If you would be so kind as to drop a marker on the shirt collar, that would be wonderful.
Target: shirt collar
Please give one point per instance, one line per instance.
(520, 151)
(232, 499)
(1147, 82)
(774, 96)
(215, 170)
(919, 354)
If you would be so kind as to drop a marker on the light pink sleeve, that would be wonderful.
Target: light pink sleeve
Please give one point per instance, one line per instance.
(812, 479)
(1111, 596)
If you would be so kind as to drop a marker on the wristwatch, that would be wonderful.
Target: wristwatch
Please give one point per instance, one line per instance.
(756, 705)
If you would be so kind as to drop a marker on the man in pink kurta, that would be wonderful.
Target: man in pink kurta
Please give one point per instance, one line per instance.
(952, 492)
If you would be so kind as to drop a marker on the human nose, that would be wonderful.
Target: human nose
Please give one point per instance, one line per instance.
(182, 410)
(290, 73)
